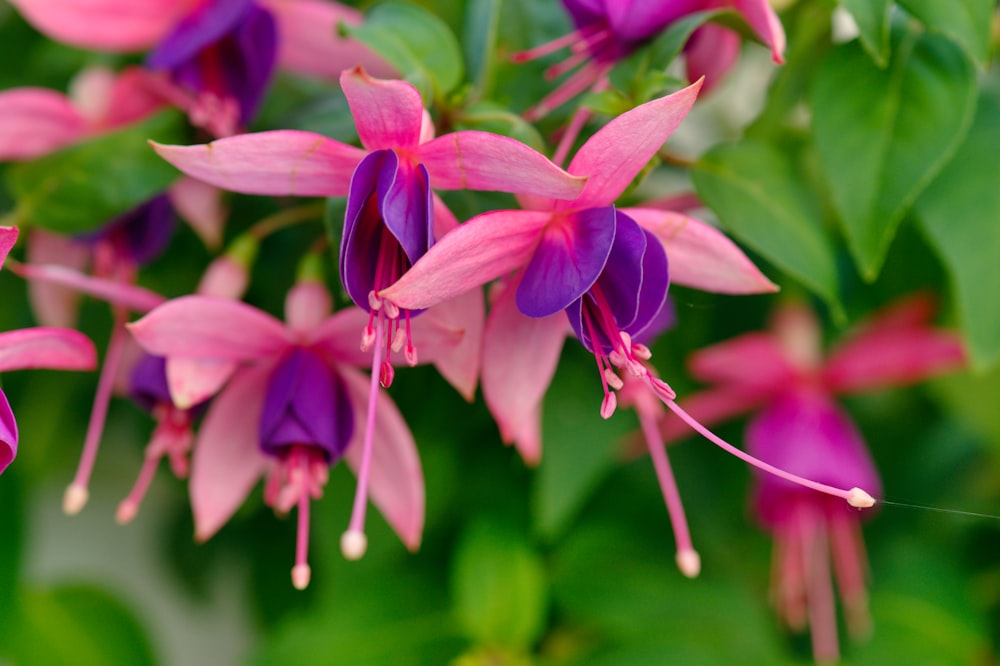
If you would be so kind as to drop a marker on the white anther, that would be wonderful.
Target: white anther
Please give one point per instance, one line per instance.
(353, 544)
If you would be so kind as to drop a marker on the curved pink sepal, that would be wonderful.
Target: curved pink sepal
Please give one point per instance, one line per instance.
(55, 304)
(8, 237)
(35, 122)
(396, 481)
(200, 204)
(209, 327)
(701, 256)
(308, 42)
(484, 248)
(56, 348)
(621, 149)
(466, 313)
(105, 25)
(388, 114)
(133, 297)
(282, 162)
(761, 17)
(483, 161)
(752, 360)
(520, 355)
(710, 53)
(193, 380)
(227, 461)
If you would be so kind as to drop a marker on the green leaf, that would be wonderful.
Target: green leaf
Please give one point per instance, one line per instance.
(883, 134)
(968, 22)
(80, 188)
(11, 540)
(579, 447)
(417, 43)
(80, 625)
(482, 25)
(499, 587)
(960, 213)
(872, 17)
(756, 192)
(658, 54)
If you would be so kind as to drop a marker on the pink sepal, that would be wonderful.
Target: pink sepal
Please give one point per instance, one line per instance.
(8, 236)
(35, 122)
(387, 113)
(201, 206)
(105, 25)
(193, 380)
(701, 256)
(282, 162)
(761, 17)
(133, 297)
(55, 304)
(396, 483)
(227, 461)
(56, 348)
(460, 366)
(710, 53)
(753, 360)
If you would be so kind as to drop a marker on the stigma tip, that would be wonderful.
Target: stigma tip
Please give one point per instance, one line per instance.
(859, 498)
(353, 545)
(689, 562)
(301, 573)
(126, 512)
(74, 499)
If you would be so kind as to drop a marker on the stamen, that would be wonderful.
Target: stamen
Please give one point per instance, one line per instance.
(555, 45)
(353, 545)
(374, 302)
(398, 339)
(411, 351)
(614, 381)
(641, 352)
(301, 571)
(581, 80)
(608, 405)
(391, 309)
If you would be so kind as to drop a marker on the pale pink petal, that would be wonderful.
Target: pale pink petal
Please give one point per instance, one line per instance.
(709, 407)
(308, 42)
(396, 482)
(711, 52)
(90, 92)
(105, 25)
(481, 250)
(752, 360)
(8, 236)
(133, 297)
(339, 338)
(210, 327)
(55, 304)
(135, 95)
(761, 17)
(893, 358)
(201, 206)
(35, 122)
(466, 313)
(701, 256)
(227, 460)
(282, 162)
(471, 160)
(618, 152)
(192, 380)
(520, 355)
(57, 348)
(444, 219)
(388, 114)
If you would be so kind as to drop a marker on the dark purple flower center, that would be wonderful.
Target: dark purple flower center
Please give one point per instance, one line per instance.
(306, 404)
(611, 29)
(140, 234)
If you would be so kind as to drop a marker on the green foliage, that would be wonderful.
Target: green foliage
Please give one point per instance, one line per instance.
(968, 22)
(872, 17)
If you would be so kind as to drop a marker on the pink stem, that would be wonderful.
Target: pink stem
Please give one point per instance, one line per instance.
(668, 484)
(302, 538)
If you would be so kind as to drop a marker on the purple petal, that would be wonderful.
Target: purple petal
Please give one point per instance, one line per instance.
(805, 433)
(306, 404)
(653, 293)
(570, 256)
(196, 31)
(8, 434)
(142, 233)
(148, 382)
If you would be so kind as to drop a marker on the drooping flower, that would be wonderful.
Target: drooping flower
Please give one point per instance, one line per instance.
(293, 404)
(799, 427)
(609, 30)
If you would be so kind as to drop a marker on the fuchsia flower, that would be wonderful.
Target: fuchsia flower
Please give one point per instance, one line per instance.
(800, 428)
(605, 269)
(56, 348)
(609, 30)
(294, 405)
(218, 55)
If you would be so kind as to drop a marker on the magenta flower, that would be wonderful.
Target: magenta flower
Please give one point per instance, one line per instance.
(218, 55)
(799, 427)
(55, 348)
(293, 405)
(609, 30)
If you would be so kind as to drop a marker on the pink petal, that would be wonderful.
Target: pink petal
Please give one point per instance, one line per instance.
(520, 355)
(388, 114)
(709, 407)
(104, 25)
(761, 17)
(914, 311)
(700, 256)
(200, 204)
(396, 482)
(133, 297)
(134, 96)
(210, 327)
(55, 304)
(471, 160)
(460, 365)
(753, 360)
(619, 151)
(57, 348)
(283, 162)
(481, 250)
(308, 42)
(893, 358)
(8, 236)
(193, 380)
(444, 219)
(8, 433)
(35, 122)
(710, 53)
(227, 460)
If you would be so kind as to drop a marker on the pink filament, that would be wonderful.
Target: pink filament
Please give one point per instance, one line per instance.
(357, 523)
